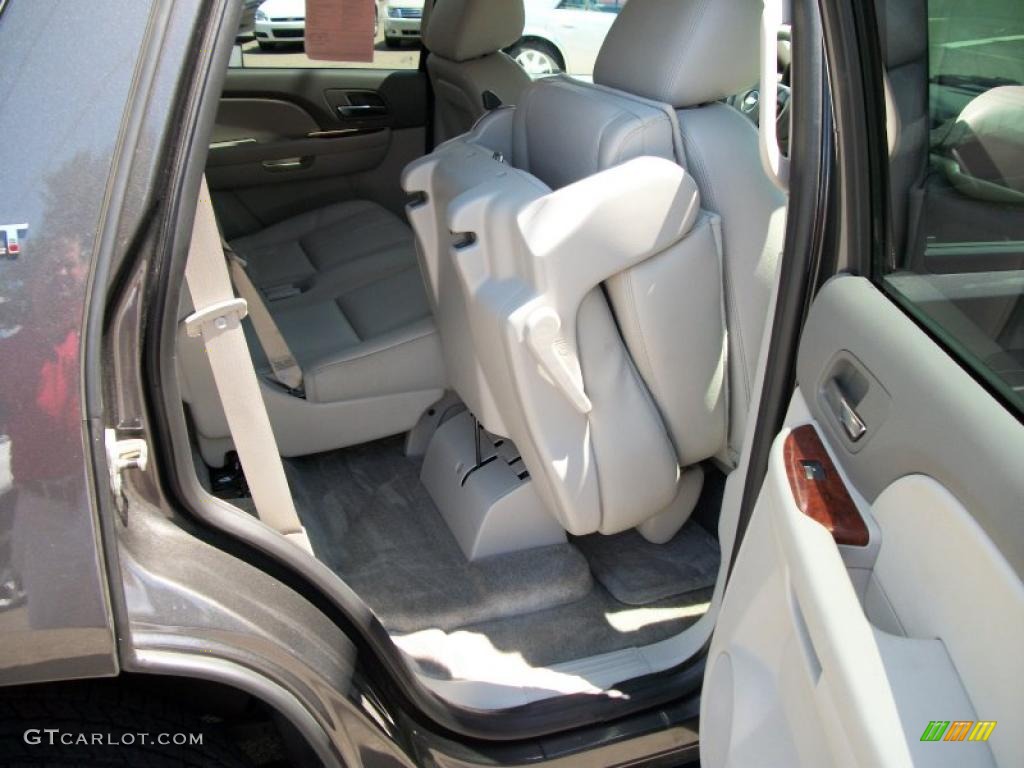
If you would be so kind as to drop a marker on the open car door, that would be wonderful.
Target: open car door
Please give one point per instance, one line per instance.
(875, 615)
(874, 612)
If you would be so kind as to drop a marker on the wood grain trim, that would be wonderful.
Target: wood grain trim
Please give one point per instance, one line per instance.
(818, 488)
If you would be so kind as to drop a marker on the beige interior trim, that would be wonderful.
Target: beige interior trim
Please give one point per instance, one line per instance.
(217, 320)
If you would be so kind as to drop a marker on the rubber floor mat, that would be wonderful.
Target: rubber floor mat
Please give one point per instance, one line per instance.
(637, 572)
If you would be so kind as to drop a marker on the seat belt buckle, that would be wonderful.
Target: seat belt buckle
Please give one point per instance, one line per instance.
(215, 319)
(279, 292)
(271, 380)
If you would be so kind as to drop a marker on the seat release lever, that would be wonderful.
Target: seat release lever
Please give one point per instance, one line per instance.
(556, 357)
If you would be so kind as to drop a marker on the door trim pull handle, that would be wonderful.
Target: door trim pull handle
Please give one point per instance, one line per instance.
(362, 110)
(845, 413)
(286, 164)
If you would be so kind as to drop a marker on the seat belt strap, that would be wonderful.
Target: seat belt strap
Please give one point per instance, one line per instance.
(282, 362)
(217, 320)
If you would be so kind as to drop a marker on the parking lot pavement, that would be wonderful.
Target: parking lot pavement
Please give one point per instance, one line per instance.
(406, 57)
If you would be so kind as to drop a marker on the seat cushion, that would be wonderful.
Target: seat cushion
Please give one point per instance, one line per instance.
(299, 249)
(357, 321)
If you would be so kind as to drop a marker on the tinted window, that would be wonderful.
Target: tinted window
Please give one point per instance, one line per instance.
(957, 171)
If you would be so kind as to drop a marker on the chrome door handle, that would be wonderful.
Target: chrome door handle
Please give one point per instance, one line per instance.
(231, 143)
(363, 110)
(286, 164)
(845, 413)
(337, 133)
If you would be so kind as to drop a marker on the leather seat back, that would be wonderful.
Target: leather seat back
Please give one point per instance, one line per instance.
(465, 39)
(694, 55)
(565, 130)
(501, 214)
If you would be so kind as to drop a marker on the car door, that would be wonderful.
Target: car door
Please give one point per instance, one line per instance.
(874, 613)
(293, 134)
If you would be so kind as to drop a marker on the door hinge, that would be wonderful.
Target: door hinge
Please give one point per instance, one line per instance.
(128, 453)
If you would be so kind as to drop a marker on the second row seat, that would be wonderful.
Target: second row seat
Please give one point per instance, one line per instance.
(344, 288)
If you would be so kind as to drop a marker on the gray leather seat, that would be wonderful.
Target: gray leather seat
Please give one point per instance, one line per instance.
(592, 288)
(293, 252)
(343, 285)
(694, 55)
(591, 245)
(465, 39)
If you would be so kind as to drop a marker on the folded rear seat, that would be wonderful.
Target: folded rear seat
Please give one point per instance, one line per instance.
(343, 285)
(602, 257)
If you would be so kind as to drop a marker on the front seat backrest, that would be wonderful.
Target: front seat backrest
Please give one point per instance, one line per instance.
(465, 39)
(902, 24)
(692, 54)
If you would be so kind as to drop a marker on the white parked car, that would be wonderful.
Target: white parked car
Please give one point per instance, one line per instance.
(280, 21)
(403, 20)
(564, 35)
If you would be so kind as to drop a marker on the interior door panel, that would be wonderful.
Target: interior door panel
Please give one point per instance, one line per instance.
(243, 164)
(245, 120)
(288, 141)
(403, 91)
(940, 421)
(837, 654)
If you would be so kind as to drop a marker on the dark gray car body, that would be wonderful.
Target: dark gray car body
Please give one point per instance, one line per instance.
(79, 173)
(53, 181)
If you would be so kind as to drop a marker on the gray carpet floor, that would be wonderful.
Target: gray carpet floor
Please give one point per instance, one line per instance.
(372, 522)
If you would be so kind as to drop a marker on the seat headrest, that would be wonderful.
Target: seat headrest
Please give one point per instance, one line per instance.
(460, 30)
(682, 52)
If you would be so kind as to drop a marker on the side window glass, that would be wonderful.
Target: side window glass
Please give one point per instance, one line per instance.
(956, 78)
(272, 34)
(572, 5)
